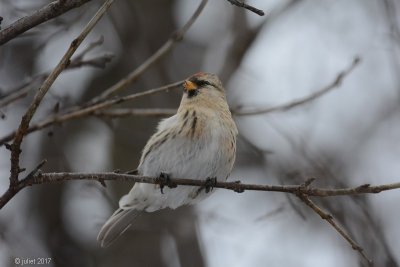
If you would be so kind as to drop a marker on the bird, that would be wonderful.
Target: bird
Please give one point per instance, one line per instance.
(198, 142)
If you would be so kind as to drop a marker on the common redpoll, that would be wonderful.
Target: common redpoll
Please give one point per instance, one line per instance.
(198, 142)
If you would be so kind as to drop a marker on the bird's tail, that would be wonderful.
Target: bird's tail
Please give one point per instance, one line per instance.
(116, 225)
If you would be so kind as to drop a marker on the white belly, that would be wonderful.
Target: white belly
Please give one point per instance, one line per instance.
(181, 158)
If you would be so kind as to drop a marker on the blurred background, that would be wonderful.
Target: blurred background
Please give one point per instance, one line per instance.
(348, 137)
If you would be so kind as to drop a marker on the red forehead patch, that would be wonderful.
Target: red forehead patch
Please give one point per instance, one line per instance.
(200, 73)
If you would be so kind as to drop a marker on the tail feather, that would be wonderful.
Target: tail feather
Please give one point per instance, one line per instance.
(116, 225)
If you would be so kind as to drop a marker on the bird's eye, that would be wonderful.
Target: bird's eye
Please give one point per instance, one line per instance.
(201, 83)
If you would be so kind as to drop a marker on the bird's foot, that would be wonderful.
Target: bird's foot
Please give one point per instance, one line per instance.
(165, 180)
(211, 182)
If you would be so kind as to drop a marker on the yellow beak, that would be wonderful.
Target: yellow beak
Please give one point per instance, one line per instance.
(189, 85)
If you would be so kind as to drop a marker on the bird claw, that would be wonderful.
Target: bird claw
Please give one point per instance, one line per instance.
(238, 189)
(210, 184)
(165, 180)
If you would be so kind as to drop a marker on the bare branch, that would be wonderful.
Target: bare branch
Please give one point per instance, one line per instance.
(302, 191)
(89, 48)
(331, 221)
(52, 10)
(126, 112)
(22, 91)
(246, 6)
(88, 111)
(94, 109)
(77, 62)
(162, 51)
(14, 189)
(24, 124)
(336, 83)
(97, 62)
(237, 186)
(97, 104)
(6, 100)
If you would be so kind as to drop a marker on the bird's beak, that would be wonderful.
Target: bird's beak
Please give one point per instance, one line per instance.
(190, 86)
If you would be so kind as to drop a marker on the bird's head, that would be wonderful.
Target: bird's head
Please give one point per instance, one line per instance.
(203, 89)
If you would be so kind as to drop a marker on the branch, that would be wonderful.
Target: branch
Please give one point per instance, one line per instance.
(52, 10)
(6, 100)
(89, 48)
(331, 221)
(78, 112)
(21, 91)
(246, 6)
(336, 83)
(77, 62)
(14, 189)
(24, 124)
(302, 191)
(96, 62)
(126, 112)
(96, 103)
(88, 111)
(237, 186)
(162, 51)
(96, 107)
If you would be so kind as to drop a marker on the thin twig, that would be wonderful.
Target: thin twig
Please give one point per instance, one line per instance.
(21, 92)
(97, 62)
(35, 170)
(102, 105)
(14, 93)
(52, 10)
(327, 217)
(162, 51)
(24, 124)
(336, 83)
(13, 190)
(89, 48)
(126, 112)
(77, 62)
(246, 6)
(91, 110)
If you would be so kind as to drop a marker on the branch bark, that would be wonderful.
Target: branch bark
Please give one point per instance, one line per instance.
(77, 62)
(96, 109)
(127, 112)
(90, 110)
(22, 130)
(162, 51)
(52, 10)
(101, 101)
(329, 218)
(237, 186)
(336, 83)
(303, 191)
(246, 6)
